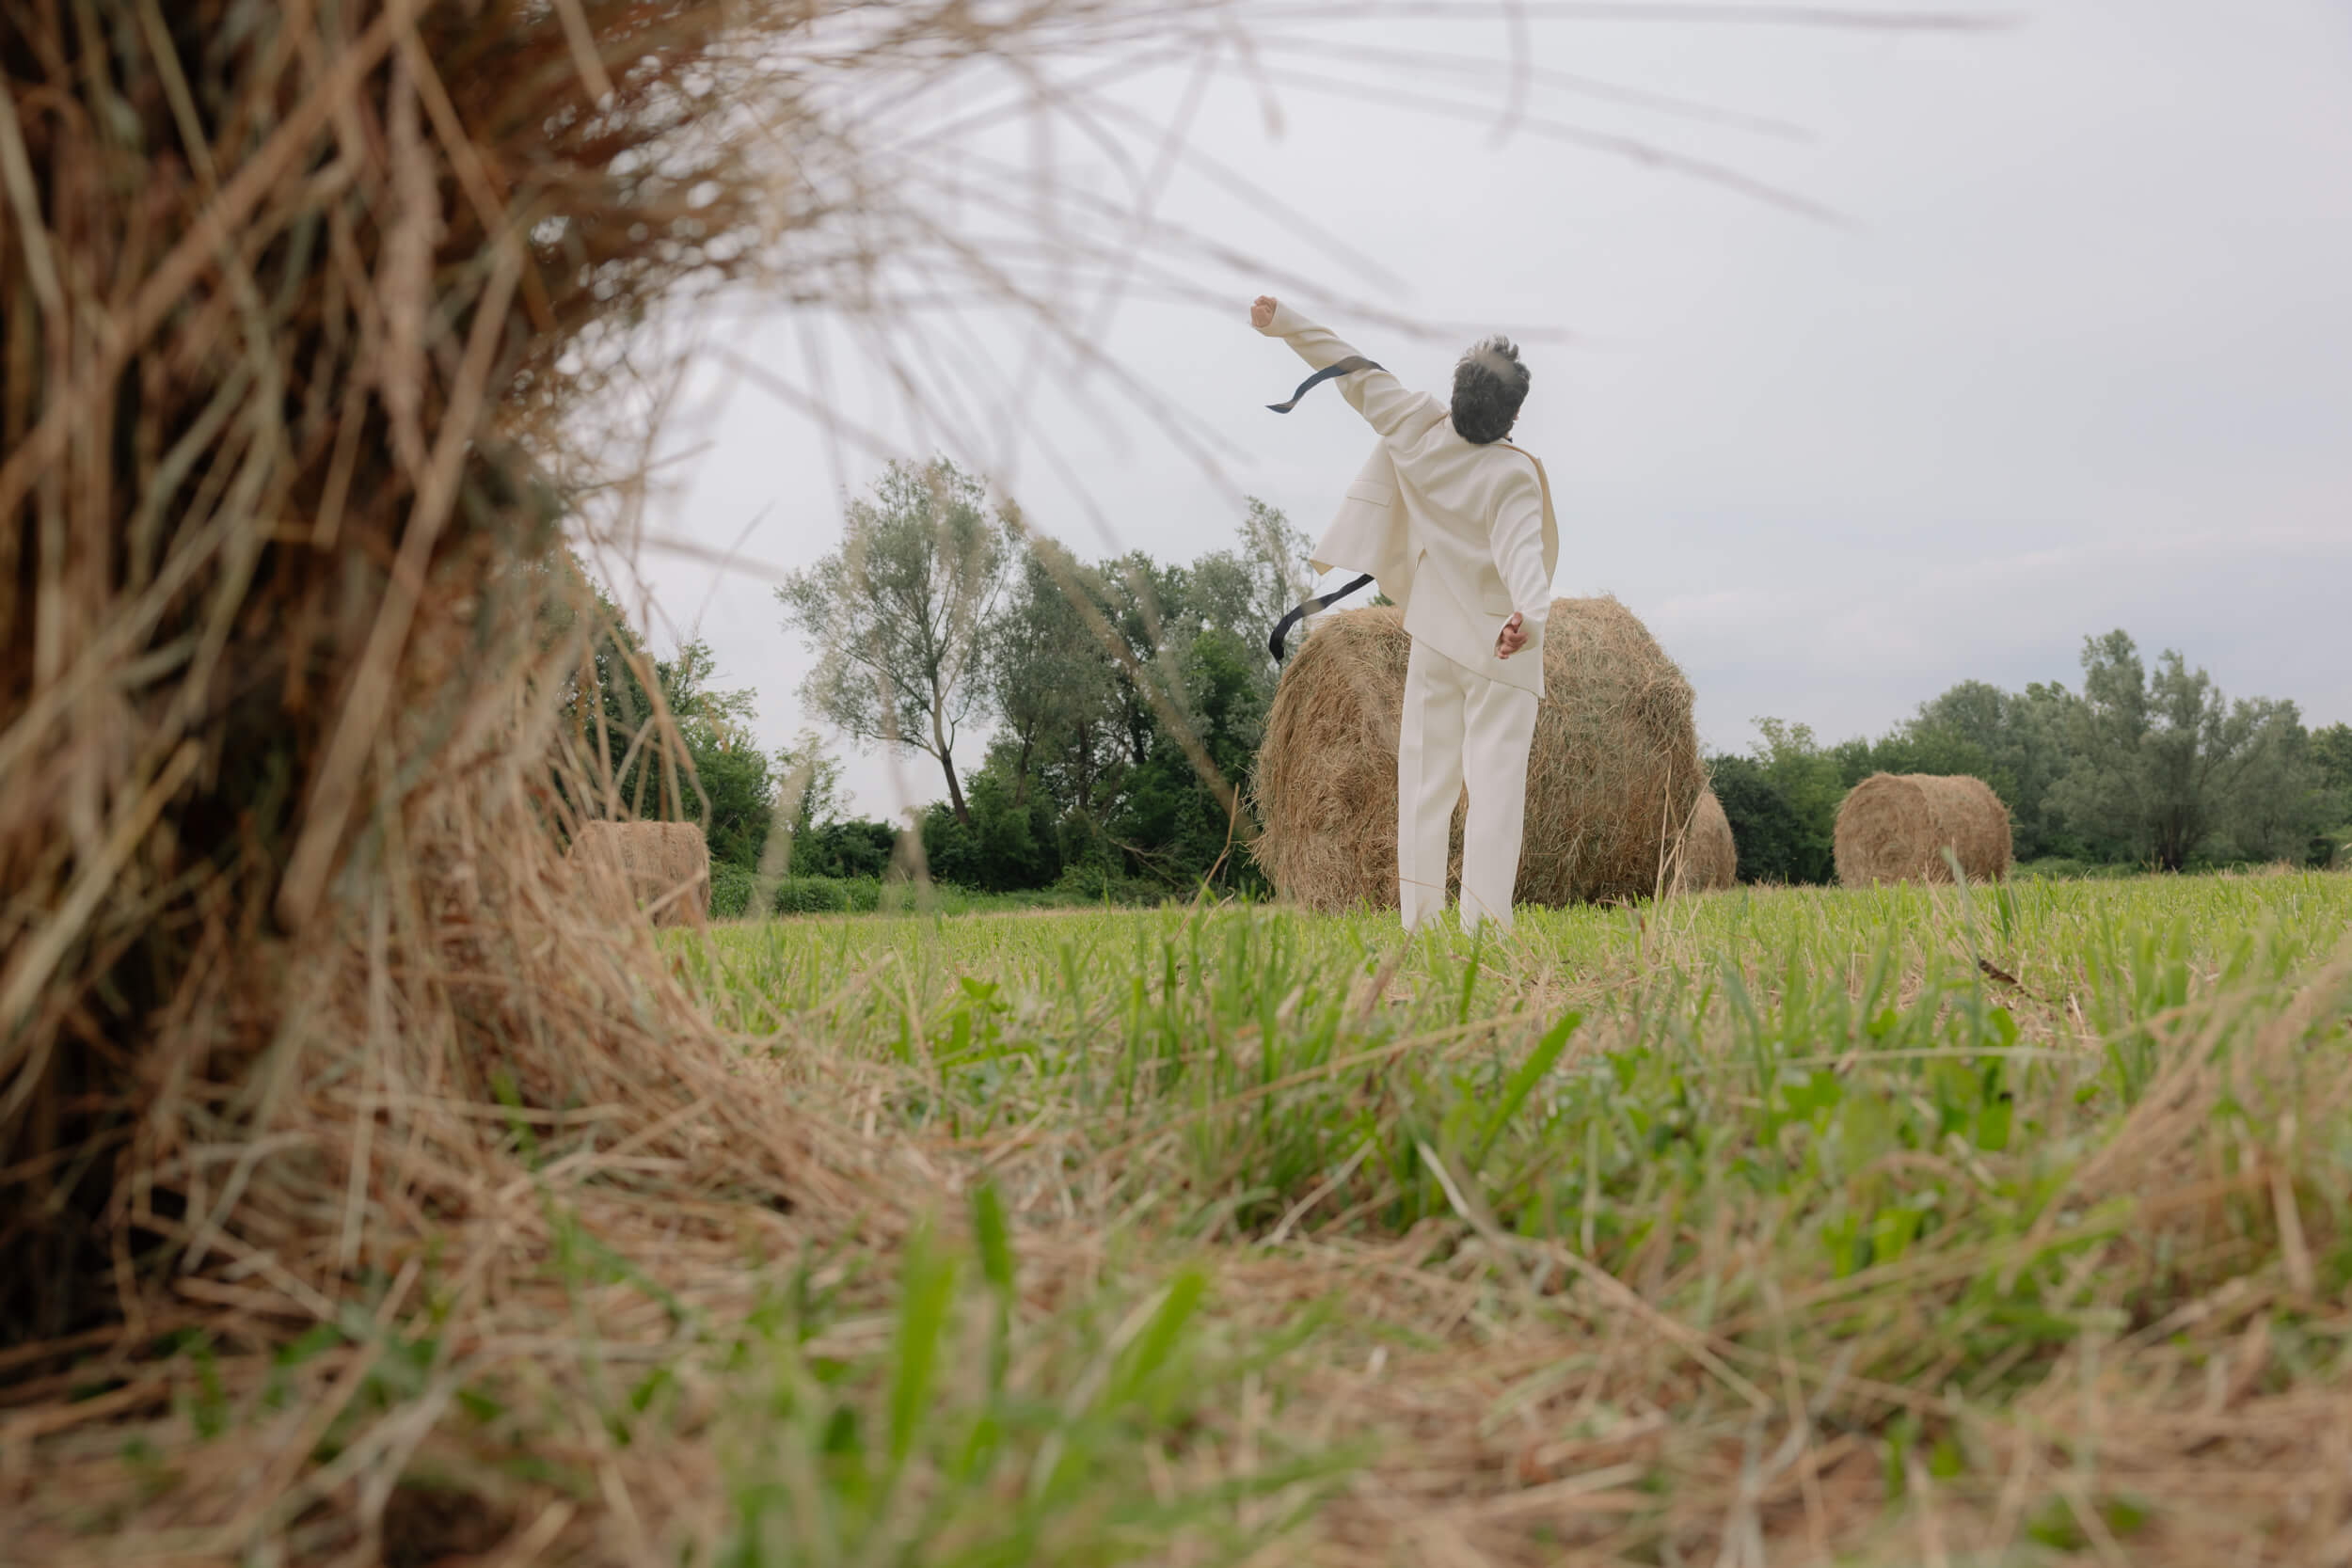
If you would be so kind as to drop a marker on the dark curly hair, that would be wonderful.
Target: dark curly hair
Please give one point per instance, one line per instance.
(1490, 383)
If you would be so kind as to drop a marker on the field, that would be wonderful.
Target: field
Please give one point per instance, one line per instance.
(1915, 1225)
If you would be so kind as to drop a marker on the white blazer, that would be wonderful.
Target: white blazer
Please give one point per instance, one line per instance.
(1458, 535)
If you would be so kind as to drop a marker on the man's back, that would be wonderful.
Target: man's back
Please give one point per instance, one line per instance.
(1458, 526)
(1476, 545)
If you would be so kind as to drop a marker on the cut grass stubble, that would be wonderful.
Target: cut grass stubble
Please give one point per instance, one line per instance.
(1892, 1226)
(1867, 1221)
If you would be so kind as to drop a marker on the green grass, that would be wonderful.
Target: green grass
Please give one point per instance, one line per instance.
(734, 896)
(1777, 1211)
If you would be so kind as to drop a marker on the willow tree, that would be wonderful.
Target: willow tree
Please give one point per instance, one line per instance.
(899, 616)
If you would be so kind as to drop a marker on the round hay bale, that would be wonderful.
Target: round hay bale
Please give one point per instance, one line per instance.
(663, 867)
(1710, 860)
(1614, 765)
(1895, 828)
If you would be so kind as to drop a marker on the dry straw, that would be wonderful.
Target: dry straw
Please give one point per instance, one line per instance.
(1896, 827)
(1708, 859)
(308, 316)
(293, 304)
(316, 324)
(1614, 767)
(661, 869)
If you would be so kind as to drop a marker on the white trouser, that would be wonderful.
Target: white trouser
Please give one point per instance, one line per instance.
(1457, 722)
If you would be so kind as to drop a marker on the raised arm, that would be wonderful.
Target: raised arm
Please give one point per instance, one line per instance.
(1375, 394)
(1517, 545)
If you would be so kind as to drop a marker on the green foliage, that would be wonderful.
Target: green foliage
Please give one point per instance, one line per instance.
(1812, 782)
(1169, 807)
(735, 781)
(822, 896)
(1003, 842)
(2331, 752)
(1055, 685)
(1070, 1438)
(1810, 1120)
(1782, 802)
(732, 890)
(2164, 769)
(2016, 742)
(1110, 682)
(900, 614)
(798, 894)
(2137, 769)
(719, 779)
(1775, 844)
(855, 849)
(808, 784)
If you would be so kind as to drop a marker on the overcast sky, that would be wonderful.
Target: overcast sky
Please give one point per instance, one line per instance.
(2073, 350)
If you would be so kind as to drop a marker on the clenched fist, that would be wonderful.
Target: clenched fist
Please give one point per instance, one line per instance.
(1261, 312)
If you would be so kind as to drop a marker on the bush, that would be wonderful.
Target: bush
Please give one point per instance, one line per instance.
(2054, 868)
(731, 888)
(827, 895)
(1090, 882)
(1778, 843)
(844, 849)
(1008, 846)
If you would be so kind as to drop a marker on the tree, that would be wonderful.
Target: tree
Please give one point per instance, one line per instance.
(1006, 845)
(724, 784)
(1148, 605)
(808, 784)
(1244, 591)
(2332, 754)
(2280, 797)
(736, 795)
(898, 615)
(1053, 684)
(1812, 782)
(2164, 762)
(852, 848)
(1172, 825)
(1775, 844)
(2017, 742)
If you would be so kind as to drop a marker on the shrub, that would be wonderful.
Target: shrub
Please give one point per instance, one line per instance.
(843, 850)
(827, 895)
(1090, 882)
(731, 888)
(810, 896)
(1777, 841)
(1007, 844)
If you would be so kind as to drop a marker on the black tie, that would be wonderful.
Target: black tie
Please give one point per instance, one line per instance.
(1313, 607)
(1353, 362)
(1322, 602)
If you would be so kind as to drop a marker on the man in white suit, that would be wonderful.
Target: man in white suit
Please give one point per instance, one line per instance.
(1457, 525)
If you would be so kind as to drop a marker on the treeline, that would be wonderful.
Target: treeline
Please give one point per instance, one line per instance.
(2142, 767)
(619, 753)
(1104, 684)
